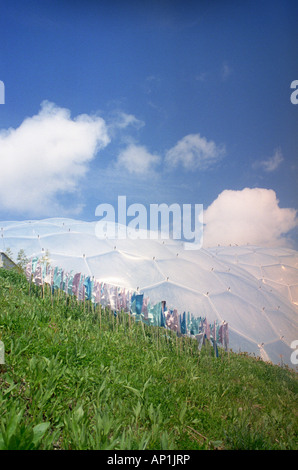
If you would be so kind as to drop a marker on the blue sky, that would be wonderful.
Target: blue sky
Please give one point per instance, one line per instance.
(179, 101)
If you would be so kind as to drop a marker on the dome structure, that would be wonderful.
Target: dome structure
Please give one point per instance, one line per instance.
(254, 289)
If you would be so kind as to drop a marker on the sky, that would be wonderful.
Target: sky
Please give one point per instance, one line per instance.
(175, 102)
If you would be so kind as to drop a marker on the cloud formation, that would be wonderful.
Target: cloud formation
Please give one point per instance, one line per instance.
(137, 160)
(225, 71)
(122, 120)
(46, 155)
(194, 152)
(251, 215)
(272, 163)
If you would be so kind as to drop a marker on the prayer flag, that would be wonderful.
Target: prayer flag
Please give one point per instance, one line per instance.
(183, 324)
(75, 283)
(28, 270)
(88, 288)
(139, 303)
(38, 274)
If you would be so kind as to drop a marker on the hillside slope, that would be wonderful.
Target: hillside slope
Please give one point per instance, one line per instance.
(76, 377)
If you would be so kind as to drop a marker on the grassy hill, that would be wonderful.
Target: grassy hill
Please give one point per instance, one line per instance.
(76, 377)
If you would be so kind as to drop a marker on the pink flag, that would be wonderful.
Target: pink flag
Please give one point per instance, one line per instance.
(225, 336)
(81, 289)
(76, 283)
(97, 292)
(145, 307)
(37, 278)
(122, 299)
(112, 297)
(207, 329)
(176, 321)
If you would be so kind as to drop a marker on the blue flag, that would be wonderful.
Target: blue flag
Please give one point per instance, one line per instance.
(88, 288)
(183, 324)
(139, 303)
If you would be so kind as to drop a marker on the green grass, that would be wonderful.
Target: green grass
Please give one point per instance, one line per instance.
(79, 378)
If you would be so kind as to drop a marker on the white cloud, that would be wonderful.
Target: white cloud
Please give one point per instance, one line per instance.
(271, 163)
(152, 83)
(225, 71)
(201, 77)
(137, 160)
(122, 120)
(194, 152)
(46, 155)
(251, 215)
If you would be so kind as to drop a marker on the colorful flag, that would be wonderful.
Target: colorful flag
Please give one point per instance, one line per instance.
(48, 276)
(96, 292)
(176, 321)
(139, 303)
(57, 278)
(81, 289)
(206, 328)
(76, 283)
(112, 295)
(200, 340)
(37, 278)
(118, 298)
(183, 324)
(69, 284)
(154, 314)
(225, 336)
(28, 270)
(34, 264)
(88, 288)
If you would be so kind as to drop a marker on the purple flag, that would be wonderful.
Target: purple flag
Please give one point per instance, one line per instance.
(76, 283)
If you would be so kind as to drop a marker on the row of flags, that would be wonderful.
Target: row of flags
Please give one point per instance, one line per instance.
(136, 304)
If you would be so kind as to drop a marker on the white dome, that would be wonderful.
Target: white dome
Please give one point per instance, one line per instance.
(254, 289)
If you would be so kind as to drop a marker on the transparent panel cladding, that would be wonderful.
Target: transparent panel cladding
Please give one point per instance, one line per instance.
(289, 260)
(254, 292)
(71, 263)
(244, 317)
(148, 249)
(294, 294)
(285, 326)
(281, 273)
(31, 246)
(76, 244)
(182, 299)
(257, 258)
(190, 275)
(280, 289)
(253, 288)
(255, 271)
(131, 270)
(279, 353)
(239, 343)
